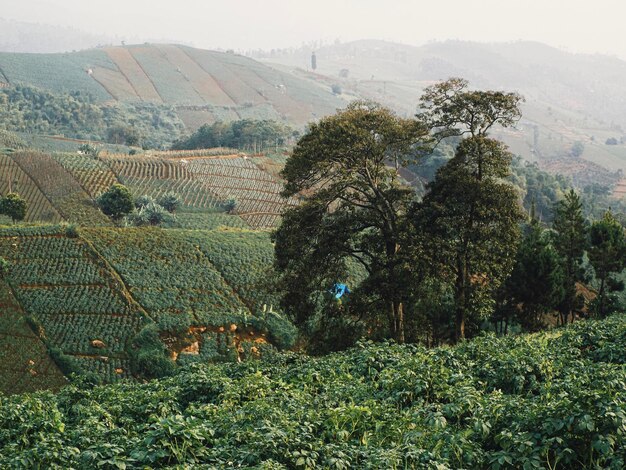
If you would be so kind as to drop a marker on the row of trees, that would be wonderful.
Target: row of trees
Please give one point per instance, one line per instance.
(552, 266)
(422, 270)
(246, 134)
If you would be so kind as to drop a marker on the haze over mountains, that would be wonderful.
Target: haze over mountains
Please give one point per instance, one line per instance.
(572, 100)
(569, 97)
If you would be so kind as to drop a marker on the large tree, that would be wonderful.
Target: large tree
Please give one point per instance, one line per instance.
(353, 212)
(607, 255)
(570, 241)
(468, 221)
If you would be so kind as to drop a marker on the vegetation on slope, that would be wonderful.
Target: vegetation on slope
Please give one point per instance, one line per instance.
(24, 108)
(25, 364)
(552, 400)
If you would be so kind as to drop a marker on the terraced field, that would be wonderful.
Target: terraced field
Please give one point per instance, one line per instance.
(89, 296)
(206, 85)
(60, 188)
(13, 178)
(205, 182)
(69, 291)
(184, 279)
(93, 175)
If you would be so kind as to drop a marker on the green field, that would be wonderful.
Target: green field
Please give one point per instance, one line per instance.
(104, 286)
(25, 364)
(72, 296)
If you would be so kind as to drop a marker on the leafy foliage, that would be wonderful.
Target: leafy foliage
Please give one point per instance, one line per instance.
(542, 401)
(76, 114)
(246, 134)
(13, 206)
(116, 202)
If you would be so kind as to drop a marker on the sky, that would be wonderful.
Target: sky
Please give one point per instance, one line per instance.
(574, 25)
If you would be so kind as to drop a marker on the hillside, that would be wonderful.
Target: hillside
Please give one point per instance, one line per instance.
(569, 97)
(535, 401)
(63, 186)
(90, 296)
(202, 85)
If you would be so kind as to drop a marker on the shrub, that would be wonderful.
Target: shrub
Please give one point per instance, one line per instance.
(150, 358)
(143, 201)
(170, 201)
(116, 202)
(13, 206)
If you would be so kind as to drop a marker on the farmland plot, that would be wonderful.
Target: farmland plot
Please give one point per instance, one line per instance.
(155, 177)
(170, 84)
(132, 73)
(201, 81)
(212, 62)
(257, 192)
(243, 258)
(169, 276)
(59, 186)
(93, 175)
(69, 291)
(39, 207)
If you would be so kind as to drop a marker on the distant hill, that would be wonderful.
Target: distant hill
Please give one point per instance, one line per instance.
(569, 97)
(202, 85)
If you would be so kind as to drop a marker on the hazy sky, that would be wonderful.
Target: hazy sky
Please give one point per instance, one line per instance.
(576, 25)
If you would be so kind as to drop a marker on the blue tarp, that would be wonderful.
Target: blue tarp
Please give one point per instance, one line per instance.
(339, 290)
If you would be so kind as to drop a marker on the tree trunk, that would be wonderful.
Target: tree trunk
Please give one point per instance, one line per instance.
(601, 297)
(400, 323)
(461, 299)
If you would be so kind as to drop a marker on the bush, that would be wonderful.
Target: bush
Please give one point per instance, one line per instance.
(71, 231)
(230, 205)
(143, 201)
(116, 202)
(170, 201)
(13, 206)
(150, 358)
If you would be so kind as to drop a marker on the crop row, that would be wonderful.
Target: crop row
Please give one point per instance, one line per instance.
(75, 333)
(193, 193)
(261, 219)
(238, 161)
(92, 174)
(25, 365)
(244, 260)
(171, 85)
(12, 178)
(60, 187)
(148, 167)
(97, 300)
(109, 368)
(61, 283)
(46, 247)
(131, 78)
(56, 271)
(165, 273)
(203, 83)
